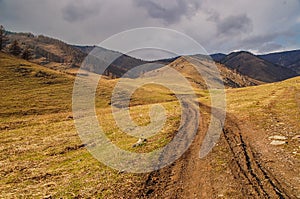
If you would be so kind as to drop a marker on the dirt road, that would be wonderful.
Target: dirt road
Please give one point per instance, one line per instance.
(232, 170)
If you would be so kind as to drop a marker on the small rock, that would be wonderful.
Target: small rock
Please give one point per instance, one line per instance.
(278, 142)
(277, 137)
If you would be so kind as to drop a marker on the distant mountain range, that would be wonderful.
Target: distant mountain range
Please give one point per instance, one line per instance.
(288, 59)
(186, 66)
(257, 68)
(218, 57)
(58, 55)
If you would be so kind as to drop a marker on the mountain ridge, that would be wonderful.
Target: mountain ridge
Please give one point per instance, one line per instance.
(288, 59)
(252, 66)
(58, 55)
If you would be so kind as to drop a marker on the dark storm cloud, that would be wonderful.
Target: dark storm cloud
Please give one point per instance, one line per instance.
(170, 11)
(220, 26)
(80, 10)
(234, 25)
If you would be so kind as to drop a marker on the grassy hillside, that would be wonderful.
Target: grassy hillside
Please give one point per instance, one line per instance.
(269, 118)
(279, 100)
(41, 153)
(186, 66)
(58, 55)
(274, 109)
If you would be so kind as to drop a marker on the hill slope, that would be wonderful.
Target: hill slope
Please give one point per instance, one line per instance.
(41, 152)
(42, 155)
(218, 57)
(288, 59)
(48, 51)
(245, 163)
(256, 68)
(58, 55)
(184, 65)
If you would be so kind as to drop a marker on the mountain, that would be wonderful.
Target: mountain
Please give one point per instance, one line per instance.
(48, 51)
(118, 63)
(288, 59)
(257, 68)
(186, 66)
(58, 55)
(218, 57)
(55, 54)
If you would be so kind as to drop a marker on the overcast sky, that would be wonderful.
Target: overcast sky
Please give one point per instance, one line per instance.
(259, 26)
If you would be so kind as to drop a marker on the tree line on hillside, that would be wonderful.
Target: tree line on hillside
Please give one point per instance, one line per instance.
(28, 46)
(14, 48)
(75, 55)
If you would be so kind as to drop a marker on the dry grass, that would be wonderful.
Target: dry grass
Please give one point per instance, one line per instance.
(273, 109)
(41, 152)
(258, 102)
(42, 155)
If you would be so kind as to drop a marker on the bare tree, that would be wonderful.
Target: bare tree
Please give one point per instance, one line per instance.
(15, 48)
(27, 53)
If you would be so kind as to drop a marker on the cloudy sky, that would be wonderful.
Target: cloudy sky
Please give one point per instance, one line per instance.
(218, 25)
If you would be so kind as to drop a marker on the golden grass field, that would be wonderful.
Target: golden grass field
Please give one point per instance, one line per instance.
(41, 152)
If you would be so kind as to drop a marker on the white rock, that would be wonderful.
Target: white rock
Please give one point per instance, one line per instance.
(277, 137)
(140, 142)
(277, 142)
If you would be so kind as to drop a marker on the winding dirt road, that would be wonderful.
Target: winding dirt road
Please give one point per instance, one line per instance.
(232, 170)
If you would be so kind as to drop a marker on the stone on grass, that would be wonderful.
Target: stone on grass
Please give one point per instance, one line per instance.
(140, 142)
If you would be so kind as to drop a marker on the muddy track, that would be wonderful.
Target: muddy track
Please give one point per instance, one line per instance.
(191, 177)
(257, 181)
(162, 183)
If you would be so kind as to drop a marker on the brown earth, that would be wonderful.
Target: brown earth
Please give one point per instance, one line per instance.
(234, 169)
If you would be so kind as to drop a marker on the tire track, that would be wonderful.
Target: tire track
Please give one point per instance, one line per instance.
(187, 175)
(257, 181)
